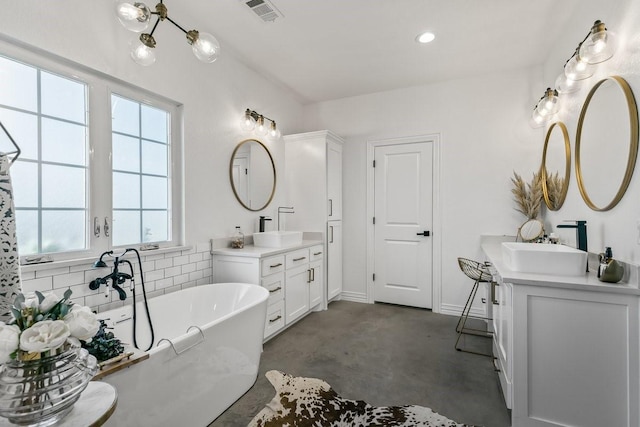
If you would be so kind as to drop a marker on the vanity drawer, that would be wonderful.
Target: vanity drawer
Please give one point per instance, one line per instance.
(274, 264)
(316, 252)
(275, 285)
(296, 258)
(275, 319)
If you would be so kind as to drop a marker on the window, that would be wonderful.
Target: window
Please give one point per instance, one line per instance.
(96, 165)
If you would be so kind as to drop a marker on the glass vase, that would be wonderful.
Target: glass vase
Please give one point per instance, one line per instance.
(41, 392)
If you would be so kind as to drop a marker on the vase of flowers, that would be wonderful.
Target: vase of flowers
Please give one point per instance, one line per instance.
(44, 369)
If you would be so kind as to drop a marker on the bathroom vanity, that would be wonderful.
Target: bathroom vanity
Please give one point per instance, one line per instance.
(566, 348)
(293, 276)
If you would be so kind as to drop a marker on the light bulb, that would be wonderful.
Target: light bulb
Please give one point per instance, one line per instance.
(134, 17)
(577, 68)
(142, 53)
(564, 85)
(261, 128)
(205, 46)
(247, 122)
(274, 132)
(599, 45)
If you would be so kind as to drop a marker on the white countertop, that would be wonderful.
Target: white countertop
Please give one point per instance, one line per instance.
(491, 246)
(251, 251)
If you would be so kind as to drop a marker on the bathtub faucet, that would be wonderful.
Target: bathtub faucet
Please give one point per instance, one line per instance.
(116, 277)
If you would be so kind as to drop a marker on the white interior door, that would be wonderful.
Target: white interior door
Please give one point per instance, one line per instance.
(403, 213)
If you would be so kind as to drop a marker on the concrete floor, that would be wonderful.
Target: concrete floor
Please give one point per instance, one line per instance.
(386, 355)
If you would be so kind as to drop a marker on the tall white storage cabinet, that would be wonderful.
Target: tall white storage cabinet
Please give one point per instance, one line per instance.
(313, 176)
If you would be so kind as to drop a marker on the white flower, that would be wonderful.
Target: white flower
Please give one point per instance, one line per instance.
(48, 302)
(9, 340)
(82, 322)
(31, 301)
(44, 336)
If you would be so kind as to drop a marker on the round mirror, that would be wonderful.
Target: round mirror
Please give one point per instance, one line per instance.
(606, 143)
(531, 230)
(253, 174)
(556, 166)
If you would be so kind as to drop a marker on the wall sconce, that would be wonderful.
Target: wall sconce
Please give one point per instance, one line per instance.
(252, 120)
(598, 46)
(136, 17)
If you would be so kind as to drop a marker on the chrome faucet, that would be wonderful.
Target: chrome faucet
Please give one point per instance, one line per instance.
(284, 210)
(581, 235)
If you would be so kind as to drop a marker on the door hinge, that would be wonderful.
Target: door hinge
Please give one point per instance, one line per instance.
(246, 171)
(374, 277)
(374, 220)
(374, 163)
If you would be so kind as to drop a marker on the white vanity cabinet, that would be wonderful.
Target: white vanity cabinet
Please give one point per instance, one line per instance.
(313, 177)
(567, 348)
(293, 277)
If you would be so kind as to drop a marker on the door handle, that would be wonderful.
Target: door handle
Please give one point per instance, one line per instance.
(425, 233)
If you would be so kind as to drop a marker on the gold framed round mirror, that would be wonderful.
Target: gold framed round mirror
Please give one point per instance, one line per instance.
(556, 166)
(606, 143)
(531, 230)
(252, 173)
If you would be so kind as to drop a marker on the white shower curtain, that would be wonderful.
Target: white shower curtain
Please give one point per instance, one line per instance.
(9, 259)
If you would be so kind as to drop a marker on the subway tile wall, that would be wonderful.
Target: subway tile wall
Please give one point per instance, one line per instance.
(163, 273)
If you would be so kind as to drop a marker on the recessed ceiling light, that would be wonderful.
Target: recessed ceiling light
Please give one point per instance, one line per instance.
(425, 37)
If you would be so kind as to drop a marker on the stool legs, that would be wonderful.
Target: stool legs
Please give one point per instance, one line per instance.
(460, 327)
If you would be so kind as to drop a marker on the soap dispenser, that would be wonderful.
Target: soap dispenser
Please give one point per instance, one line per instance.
(609, 270)
(237, 242)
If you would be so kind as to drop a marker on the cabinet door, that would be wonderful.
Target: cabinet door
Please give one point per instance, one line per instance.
(297, 292)
(334, 259)
(334, 181)
(315, 286)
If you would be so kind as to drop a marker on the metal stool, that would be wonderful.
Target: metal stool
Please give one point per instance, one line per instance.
(479, 273)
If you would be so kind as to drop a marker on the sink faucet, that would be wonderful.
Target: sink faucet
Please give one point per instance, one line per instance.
(262, 221)
(581, 235)
(284, 210)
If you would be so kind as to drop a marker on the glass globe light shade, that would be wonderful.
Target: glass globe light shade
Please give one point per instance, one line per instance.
(549, 104)
(261, 128)
(206, 47)
(134, 17)
(247, 123)
(142, 54)
(536, 120)
(577, 68)
(564, 85)
(274, 132)
(599, 45)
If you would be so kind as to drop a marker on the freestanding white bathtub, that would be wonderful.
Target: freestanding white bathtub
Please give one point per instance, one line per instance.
(216, 333)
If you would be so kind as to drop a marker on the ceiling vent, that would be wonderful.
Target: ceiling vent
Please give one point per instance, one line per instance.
(264, 9)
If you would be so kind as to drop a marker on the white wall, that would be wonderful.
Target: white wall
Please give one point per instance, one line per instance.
(214, 97)
(618, 227)
(483, 124)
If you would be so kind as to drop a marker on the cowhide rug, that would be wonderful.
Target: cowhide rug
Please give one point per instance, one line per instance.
(301, 402)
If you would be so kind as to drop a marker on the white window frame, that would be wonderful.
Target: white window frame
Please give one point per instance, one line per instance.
(99, 181)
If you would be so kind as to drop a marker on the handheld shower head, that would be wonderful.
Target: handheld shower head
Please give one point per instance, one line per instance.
(100, 263)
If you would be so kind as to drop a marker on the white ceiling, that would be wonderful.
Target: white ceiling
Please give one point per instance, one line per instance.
(330, 49)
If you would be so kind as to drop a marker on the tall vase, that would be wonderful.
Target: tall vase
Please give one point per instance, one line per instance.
(41, 392)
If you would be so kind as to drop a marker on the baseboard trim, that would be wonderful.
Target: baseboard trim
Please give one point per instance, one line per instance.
(456, 310)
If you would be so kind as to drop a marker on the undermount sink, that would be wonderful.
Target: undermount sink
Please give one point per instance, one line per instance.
(544, 259)
(277, 239)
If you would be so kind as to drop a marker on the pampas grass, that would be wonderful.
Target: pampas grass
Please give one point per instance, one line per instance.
(554, 190)
(528, 196)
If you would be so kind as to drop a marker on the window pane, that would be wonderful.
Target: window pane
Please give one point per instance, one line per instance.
(63, 187)
(125, 116)
(23, 128)
(154, 158)
(24, 180)
(63, 142)
(126, 227)
(126, 191)
(63, 231)
(27, 231)
(154, 226)
(18, 85)
(154, 124)
(126, 153)
(154, 192)
(62, 98)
